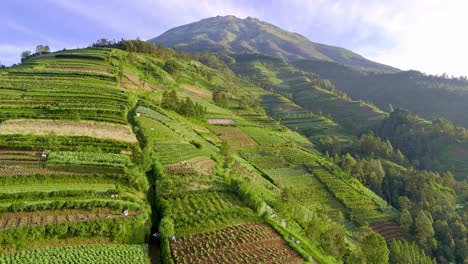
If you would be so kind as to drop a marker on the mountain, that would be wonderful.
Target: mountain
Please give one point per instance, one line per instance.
(229, 34)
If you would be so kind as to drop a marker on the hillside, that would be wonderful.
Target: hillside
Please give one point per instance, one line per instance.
(307, 91)
(229, 34)
(162, 157)
(438, 97)
(140, 168)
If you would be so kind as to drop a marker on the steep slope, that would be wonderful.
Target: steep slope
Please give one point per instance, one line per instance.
(142, 167)
(307, 91)
(230, 34)
(437, 97)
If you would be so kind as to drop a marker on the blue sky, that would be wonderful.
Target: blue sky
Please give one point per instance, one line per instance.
(427, 35)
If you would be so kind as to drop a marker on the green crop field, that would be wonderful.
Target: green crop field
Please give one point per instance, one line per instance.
(81, 254)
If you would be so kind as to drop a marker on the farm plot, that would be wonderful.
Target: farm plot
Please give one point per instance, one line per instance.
(68, 128)
(98, 254)
(169, 153)
(148, 112)
(307, 189)
(159, 132)
(235, 137)
(49, 187)
(388, 229)
(197, 211)
(50, 142)
(249, 243)
(363, 209)
(221, 122)
(199, 165)
(56, 217)
(79, 158)
(19, 159)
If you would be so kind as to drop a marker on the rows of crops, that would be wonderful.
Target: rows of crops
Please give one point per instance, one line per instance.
(63, 91)
(250, 243)
(98, 254)
(199, 210)
(362, 208)
(64, 176)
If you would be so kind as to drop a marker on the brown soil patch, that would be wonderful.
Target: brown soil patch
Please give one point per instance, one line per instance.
(249, 243)
(221, 122)
(199, 165)
(42, 218)
(388, 229)
(235, 137)
(203, 93)
(68, 128)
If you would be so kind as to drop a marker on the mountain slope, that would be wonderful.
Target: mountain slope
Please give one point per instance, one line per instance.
(229, 34)
(437, 97)
(72, 186)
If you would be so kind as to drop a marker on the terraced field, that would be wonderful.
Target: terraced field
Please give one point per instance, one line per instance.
(68, 128)
(235, 137)
(65, 151)
(388, 229)
(99, 254)
(250, 243)
(87, 153)
(362, 207)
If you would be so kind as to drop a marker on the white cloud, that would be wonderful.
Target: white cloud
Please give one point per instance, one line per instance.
(426, 35)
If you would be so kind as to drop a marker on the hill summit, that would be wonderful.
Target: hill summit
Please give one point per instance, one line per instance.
(229, 34)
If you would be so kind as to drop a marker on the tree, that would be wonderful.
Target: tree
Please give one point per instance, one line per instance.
(406, 220)
(171, 67)
(220, 98)
(41, 49)
(25, 54)
(404, 252)
(375, 249)
(404, 203)
(170, 100)
(348, 163)
(425, 231)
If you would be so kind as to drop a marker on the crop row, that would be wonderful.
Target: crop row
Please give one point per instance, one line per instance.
(30, 142)
(87, 159)
(260, 244)
(98, 254)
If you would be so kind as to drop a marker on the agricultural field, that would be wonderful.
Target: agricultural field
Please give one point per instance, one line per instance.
(249, 243)
(196, 211)
(68, 128)
(88, 153)
(99, 254)
(362, 207)
(234, 137)
(65, 161)
(199, 165)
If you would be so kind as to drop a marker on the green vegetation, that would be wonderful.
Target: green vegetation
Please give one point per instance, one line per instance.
(290, 160)
(438, 96)
(229, 34)
(92, 254)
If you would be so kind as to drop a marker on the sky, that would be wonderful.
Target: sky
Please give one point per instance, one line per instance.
(425, 35)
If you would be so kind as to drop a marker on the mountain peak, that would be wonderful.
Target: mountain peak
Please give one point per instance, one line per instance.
(230, 34)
